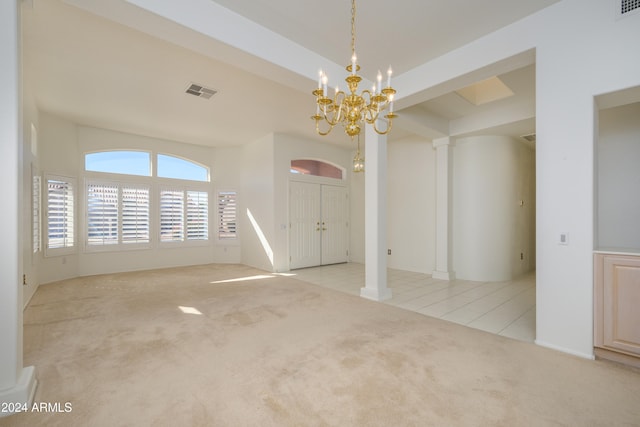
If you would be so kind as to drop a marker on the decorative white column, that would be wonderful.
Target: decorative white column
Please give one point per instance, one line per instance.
(375, 216)
(444, 218)
(17, 385)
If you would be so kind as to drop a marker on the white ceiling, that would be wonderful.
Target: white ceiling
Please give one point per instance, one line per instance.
(128, 69)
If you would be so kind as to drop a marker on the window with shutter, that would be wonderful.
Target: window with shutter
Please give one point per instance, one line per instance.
(121, 214)
(117, 214)
(227, 215)
(135, 215)
(197, 215)
(60, 213)
(36, 195)
(171, 215)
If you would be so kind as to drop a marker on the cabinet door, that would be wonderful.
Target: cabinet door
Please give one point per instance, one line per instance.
(621, 303)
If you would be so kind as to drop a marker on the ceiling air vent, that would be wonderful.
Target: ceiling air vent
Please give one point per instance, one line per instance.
(530, 137)
(200, 91)
(627, 7)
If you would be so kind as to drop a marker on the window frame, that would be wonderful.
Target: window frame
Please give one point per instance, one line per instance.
(183, 186)
(150, 165)
(36, 211)
(156, 165)
(155, 185)
(67, 249)
(231, 240)
(120, 245)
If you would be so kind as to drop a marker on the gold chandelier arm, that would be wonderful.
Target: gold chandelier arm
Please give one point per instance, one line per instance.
(389, 120)
(323, 133)
(336, 108)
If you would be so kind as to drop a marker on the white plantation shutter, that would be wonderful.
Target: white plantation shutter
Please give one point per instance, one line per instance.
(135, 215)
(171, 215)
(197, 215)
(117, 214)
(184, 215)
(36, 193)
(60, 217)
(102, 214)
(227, 215)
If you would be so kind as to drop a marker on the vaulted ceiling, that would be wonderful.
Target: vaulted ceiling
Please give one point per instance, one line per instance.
(118, 65)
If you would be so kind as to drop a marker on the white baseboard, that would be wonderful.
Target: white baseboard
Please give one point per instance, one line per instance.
(565, 350)
(443, 275)
(375, 295)
(23, 392)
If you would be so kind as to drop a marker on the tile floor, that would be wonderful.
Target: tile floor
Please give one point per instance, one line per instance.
(503, 308)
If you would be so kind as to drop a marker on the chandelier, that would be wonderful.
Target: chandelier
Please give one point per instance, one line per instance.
(353, 110)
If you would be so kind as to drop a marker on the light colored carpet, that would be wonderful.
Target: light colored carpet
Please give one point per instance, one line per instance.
(276, 351)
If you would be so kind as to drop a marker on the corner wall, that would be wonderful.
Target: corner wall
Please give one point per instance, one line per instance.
(491, 228)
(411, 214)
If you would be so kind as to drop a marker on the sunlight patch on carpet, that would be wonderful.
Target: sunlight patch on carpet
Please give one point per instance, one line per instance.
(189, 310)
(242, 279)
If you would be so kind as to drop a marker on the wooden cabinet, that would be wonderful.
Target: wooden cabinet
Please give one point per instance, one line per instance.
(617, 307)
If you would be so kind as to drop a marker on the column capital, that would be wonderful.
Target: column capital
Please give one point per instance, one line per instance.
(446, 141)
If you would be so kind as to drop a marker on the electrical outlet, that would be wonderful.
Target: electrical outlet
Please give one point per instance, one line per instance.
(521, 255)
(563, 239)
(388, 251)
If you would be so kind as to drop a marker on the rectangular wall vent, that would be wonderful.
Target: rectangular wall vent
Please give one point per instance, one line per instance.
(200, 91)
(627, 7)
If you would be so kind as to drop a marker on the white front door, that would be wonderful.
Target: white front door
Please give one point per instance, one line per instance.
(335, 225)
(319, 228)
(305, 230)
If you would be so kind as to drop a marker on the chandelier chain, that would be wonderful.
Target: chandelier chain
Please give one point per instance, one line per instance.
(353, 27)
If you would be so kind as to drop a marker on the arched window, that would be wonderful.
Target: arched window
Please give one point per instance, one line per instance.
(316, 168)
(177, 168)
(123, 162)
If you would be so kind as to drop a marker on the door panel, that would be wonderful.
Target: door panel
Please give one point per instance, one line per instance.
(304, 217)
(335, 230)
(319, 227)
(621, 292)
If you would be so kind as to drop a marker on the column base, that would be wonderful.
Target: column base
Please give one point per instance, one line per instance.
(443, 275)
(375, 294)
(23, 392)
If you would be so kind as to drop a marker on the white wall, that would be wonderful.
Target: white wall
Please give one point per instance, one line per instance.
(581, 50)
(578, 56)
(265, 193)
(490, 226)
(287, 148)
(58, 154)
(226, 174)
(411, 205)
(257, 200)
(31, 166)
(618, 178)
